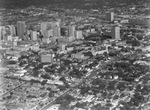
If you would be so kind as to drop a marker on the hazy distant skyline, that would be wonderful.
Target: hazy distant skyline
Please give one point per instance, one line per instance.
(98, 3)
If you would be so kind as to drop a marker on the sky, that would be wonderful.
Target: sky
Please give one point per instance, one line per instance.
(26, 3)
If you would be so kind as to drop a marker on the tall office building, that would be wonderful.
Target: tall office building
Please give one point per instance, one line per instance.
(57, 23)
(64, 31)
(71, 30)
(110, 16)
(12, 30)
(48, 33)
(21, 28)
(44, 26)
(56, 32)
(54, 24)
(115, 32)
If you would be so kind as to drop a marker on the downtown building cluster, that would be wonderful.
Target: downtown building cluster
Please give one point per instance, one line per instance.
(77, 65)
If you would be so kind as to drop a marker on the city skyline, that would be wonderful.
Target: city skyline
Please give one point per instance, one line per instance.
(79, 3)
(75, 55)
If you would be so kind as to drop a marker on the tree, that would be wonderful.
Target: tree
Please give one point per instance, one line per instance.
(67, 62)
(137, 99)
(81, 105)
(21, 63)
(62, 79)
(84, 90)
(31, 27)
(109, 105)
(145, 90)
(133, 42)
(35, 73)
(47, 69)
(43, 82)
(64, 106)
(67, 97)
(121, 86)
(62, 88)
(11, 93)
(96, 107)
(88, 54)
(34, 81)
(116, 97)
(113, 53)
(45, 76)
(49, 89)
(126, 106)
(111, 85)
(40, 66)
(139, 37)
(51, 94)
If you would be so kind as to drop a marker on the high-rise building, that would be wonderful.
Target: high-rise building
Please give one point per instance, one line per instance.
(71, 30)
(64, 31)
(44, 26)
(25, 37)
(54, 24)
(21, 28)
(49, 25)
(78, 35)
(56, 32)
(12, 30)
(34, 35)
(48, 33)
(115, 32)
(110, 16)
(57, 23)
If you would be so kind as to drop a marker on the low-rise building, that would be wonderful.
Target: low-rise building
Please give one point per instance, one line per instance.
(33, 35)
(79, 56)
(78, 35)
(46, 58)
(46, 40)
(140, 21)
(62, 47)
